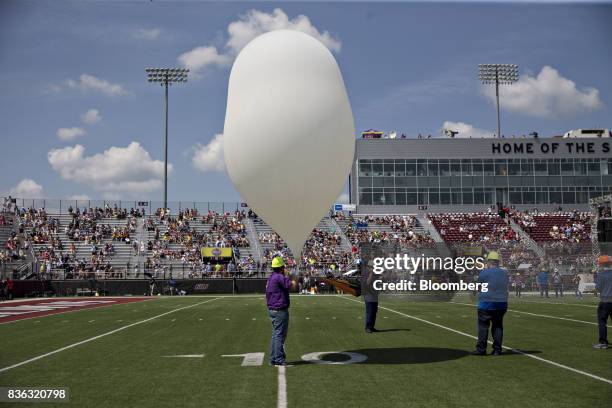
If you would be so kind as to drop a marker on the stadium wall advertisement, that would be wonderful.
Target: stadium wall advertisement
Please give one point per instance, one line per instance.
(135, 287)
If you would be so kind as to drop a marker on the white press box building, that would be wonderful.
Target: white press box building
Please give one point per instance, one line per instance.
(461, 174)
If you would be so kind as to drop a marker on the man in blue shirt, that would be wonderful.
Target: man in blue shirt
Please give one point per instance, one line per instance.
(277, 298)
(604, 310)
(543, 281)
(492, 305)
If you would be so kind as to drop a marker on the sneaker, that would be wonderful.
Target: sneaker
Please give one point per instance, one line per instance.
(600, 346)
(369, 331)
(478, 353)
(496, 353)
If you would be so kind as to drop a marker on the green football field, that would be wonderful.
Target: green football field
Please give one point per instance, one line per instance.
(419, 359)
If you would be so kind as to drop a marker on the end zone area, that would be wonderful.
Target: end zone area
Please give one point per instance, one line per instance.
(217, 341)
(27, 309)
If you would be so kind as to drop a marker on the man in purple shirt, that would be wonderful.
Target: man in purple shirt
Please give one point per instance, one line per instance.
(277, 297)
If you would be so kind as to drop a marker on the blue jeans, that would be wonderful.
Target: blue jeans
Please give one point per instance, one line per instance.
(280, 325)
(604, 312)
(371, 309)
(494, 319)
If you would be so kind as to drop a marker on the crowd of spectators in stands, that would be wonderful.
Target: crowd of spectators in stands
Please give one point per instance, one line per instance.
(571, 226)
(178, 239)
(85, 227)
(475, 228)
(14, 249)
(402, 231)
(98, 213)
(563, 235)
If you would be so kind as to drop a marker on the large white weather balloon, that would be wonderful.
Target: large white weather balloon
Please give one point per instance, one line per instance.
(289, 133)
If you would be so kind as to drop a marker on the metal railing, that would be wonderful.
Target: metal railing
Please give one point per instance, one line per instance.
(131, 272)
(61, 206)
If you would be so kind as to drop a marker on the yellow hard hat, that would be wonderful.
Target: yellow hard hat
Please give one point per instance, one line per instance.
(493, 256)
(278, 262)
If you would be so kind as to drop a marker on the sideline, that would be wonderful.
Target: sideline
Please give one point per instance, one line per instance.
(559, 365)
(31, 360)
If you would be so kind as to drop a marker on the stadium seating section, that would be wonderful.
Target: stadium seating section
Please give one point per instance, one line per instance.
(116, 243)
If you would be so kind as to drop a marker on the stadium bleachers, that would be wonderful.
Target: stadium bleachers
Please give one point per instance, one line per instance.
(564, 237)
(13, 252)
(174, 243)
(489, 231)
(325, 248)
(558, 226)
(75, 244)
(402, 229)
(472, 227)
(113, 243)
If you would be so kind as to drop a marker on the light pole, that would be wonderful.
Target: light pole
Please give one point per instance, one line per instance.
(166, 77)
(504, 74)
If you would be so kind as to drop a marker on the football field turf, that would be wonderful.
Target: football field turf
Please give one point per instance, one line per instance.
(125, 355)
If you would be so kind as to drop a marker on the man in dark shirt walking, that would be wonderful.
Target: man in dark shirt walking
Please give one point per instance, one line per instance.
(277, 297)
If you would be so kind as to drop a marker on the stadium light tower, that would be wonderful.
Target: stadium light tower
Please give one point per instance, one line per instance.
(166, 77)
(498, 74)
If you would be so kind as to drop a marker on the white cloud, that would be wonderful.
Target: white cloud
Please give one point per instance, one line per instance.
(70, 133)
(89, 83)
(209, 157)
(146, 33)
(117, 171)
(466, 130)
(246, 28)
(91, 116)
(256, 22)
(547, 94)
(27, 188)
(201, 57)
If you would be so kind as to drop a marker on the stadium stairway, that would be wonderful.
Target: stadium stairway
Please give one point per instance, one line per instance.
(527, 239)
(337, 229)
(256, 249)
(429, 228)
(5, 233)
(138, 258)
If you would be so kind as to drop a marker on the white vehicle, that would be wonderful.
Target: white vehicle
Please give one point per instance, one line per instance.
(586, 133)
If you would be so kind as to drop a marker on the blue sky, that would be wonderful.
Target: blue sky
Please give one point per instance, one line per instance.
(79, 118)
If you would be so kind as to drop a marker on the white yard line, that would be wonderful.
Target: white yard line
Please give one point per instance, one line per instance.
(553, 363)
(521, 300)
(536, 314)
(281, 401)
(31, 360)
